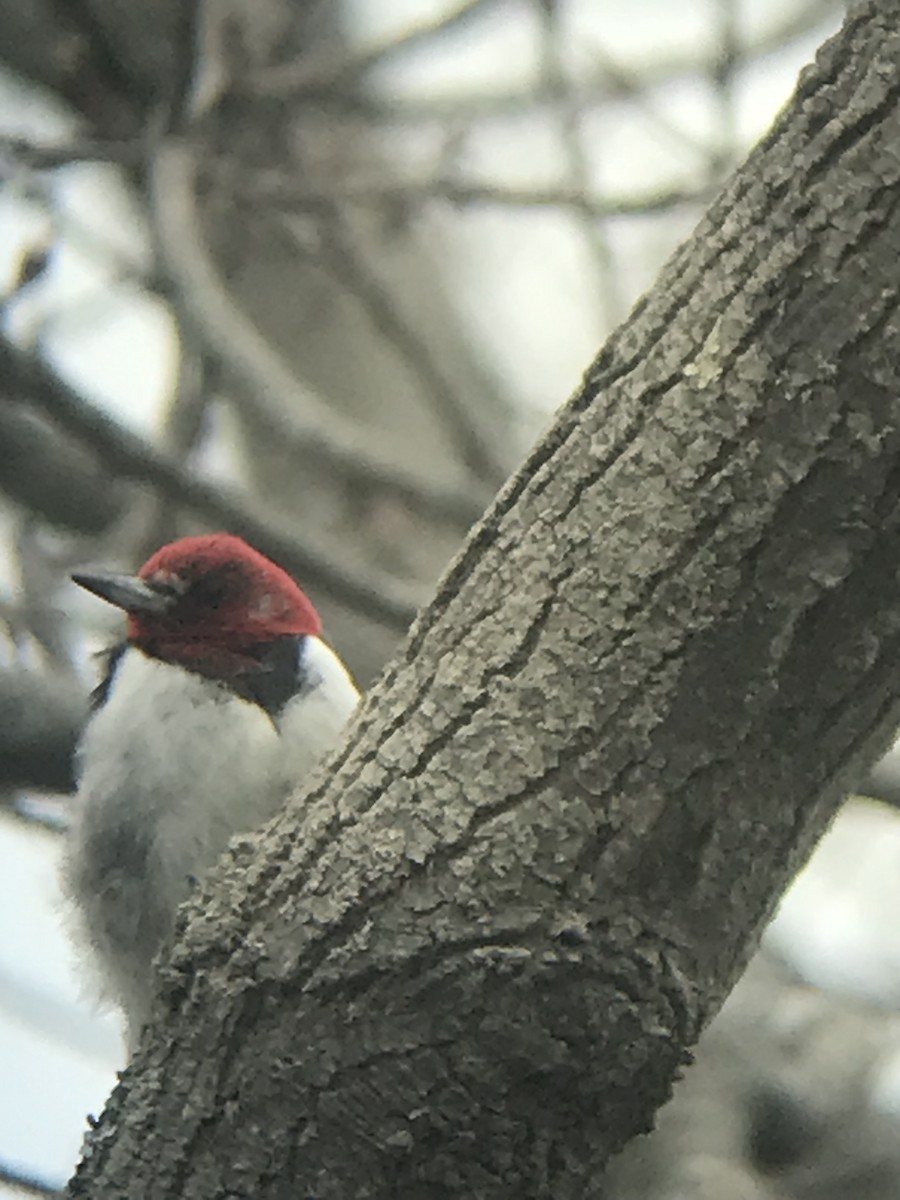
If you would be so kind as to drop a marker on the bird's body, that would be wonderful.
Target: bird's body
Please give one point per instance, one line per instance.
(202, 729)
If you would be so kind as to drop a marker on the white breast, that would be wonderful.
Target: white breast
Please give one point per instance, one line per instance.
(312, 722)
(172, 766)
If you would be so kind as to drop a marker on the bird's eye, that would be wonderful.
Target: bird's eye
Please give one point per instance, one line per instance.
(210, 591)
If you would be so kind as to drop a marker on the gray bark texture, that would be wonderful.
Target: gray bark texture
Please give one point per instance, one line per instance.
(472, 958)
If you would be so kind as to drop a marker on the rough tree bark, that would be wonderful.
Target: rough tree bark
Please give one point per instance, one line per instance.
(472, 958)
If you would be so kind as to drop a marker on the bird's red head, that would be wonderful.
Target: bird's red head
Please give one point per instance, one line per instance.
(206, 597)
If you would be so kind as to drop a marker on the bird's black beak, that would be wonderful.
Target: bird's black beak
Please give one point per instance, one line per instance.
(125, 591)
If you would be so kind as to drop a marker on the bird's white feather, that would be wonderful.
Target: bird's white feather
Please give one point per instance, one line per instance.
(172, 765)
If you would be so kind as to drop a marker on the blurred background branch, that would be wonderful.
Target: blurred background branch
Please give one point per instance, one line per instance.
(26, 1184)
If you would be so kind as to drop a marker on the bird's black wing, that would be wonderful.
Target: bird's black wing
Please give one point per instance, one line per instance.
(110, 659)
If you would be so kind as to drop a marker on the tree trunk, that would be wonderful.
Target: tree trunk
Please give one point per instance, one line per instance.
(472, 958)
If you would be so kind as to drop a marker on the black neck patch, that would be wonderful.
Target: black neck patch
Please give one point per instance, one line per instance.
(279, 674)
(268, 674)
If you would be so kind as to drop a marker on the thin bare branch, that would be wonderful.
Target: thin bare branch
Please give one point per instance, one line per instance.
(461, 420)
(41, 715)
(578, 173)
(36, 188)
(39, 575)
(277, 397)
(47, 474)
(607, 81)
(129, 456)
(324, 72)
(25, 1182)
(184, 424)
(46, 812)
(883, 781)
(276, 190)
(723, 78)
(31, 155)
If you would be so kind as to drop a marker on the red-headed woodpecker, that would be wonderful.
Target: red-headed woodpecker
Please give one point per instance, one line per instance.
(220, 700)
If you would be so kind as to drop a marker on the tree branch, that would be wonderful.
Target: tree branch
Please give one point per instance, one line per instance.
(50, 476)
(269, 385)
(25, 1182)
(322, 72)
(595, 234)
(409, 194)
(41, 716)
(606, 81)
(130, 457)
(467, 429)
(883, 781)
